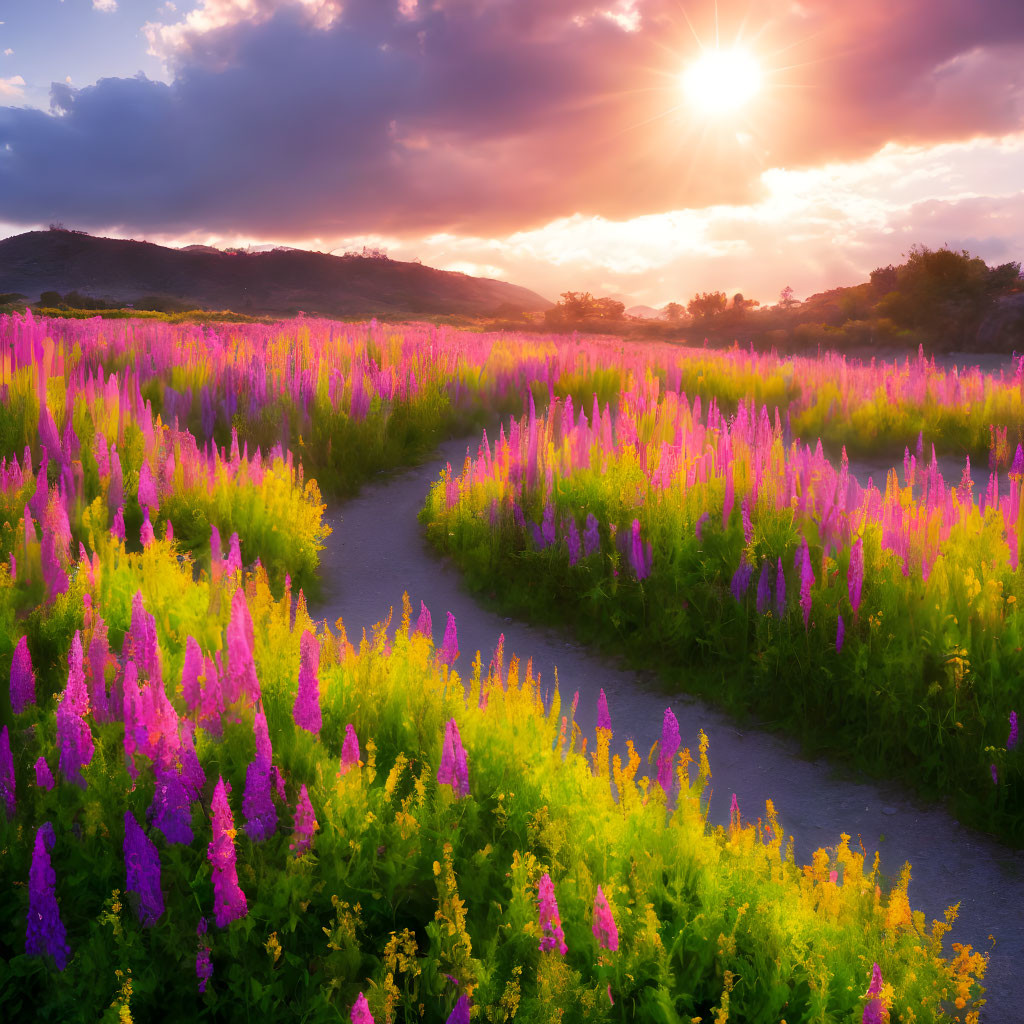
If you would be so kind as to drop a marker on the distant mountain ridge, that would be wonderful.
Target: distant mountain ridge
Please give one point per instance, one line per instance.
(279, 282)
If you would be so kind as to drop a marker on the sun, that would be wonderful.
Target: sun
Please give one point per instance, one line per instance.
(722, 81)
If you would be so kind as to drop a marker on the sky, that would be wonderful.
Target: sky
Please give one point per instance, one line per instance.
(559, 144)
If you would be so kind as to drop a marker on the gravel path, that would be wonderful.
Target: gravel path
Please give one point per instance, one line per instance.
(377, 550)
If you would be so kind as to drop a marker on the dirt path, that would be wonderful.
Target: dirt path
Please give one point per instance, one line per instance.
(377, 550)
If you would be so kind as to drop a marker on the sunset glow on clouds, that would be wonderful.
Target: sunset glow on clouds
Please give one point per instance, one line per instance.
(549, 142)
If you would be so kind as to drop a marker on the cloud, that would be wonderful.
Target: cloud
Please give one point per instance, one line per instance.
(12, 88)
(107, 6)
(486, 117)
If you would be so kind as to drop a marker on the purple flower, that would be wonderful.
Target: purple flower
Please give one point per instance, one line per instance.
(349, 750)
(667, 749)
(361, 1011)
(591, 535)
(698, 529)
(170, 810)
(780, 591)
(191, 670)
(995, 774)
(73, 734)
(604, 720)
(142, 865)
(44, 777)
(803, 564)
(148, 500)
(748, 529)
(257, 802)
(305, 824)
(242, 681)
(840, 634)
(23, 679)
(460, 1012)
(7, 789)
(605, 931)
(764, 589)
(741, 579)
(450, 645)
(1011, 740)
(874, 1010)
(550, 922)
(228, 899)
(423, 624)
(204, 969)
(453, 770)
(640, 553)
(306, 710)
(572, 540)
(99, 652)
(45, 935)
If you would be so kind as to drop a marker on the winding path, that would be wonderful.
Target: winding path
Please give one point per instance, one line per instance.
(377, 551)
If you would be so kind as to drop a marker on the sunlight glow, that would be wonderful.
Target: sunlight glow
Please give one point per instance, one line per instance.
(720, 81)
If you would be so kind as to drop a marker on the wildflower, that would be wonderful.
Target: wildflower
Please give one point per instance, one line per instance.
(204, 969)
(73, 734)
(257, 801)
(450, 645)
(193, 777)
(361, 1011)
(748, 529)
(1011, 740)
(229, 900)
(306, 710)
(305, 824)
(423, 624)
(148, 501)
(45, 935)
(7, 774)
(233, 563)
(591, 535)
(874, 1010)
(572, 540)
(146, 535)
(741, 579)
(99, 653)
(840, 634)
(667, 749)
(117, 530)
(44, 777)
(170, 810)
(242, 681)
(604, 720)
(550, 922)
(190, 673)
(349, 750)
(764, 589)
(605, 931)
(780, 591)
(698, 529)
(23, 679)
(453, 770)
(142, 866)
(211, 703)
(640, 553)
(803, 564)
(855, 573)
(460, 1012)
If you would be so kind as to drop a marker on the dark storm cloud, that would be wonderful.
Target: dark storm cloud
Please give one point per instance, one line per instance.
(491, 115)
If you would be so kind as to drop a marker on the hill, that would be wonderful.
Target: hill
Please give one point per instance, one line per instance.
(279, 282)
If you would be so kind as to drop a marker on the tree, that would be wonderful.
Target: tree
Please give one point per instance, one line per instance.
(50, 300)
(674, 312)
(578, 307)
(787, 299)
(705, 305)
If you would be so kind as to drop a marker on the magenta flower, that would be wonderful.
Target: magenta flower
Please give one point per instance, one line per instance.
(23, 679)
(874, 1010)
(257, 800)
(460, 1012)
(748, 529)
(734, 813)
(349, 750)
(741, 579)
(146, 535)
(73, 734)
(142, 866)
(305, 824)
(211, 703)
(423, 624)
(1011, 740)
(45, 935)
(117, 529)
(228, 899)
(453, 770)
(193, 777)
(306, 710)
(450, 645)
(204, 969)
(640, 553)
(361, 1011)
(233, 563)
(605, 931)
(44, 777)
(855, 573)
(7, 788)
(604, 720)
(729, 498)
(667, 750)
(803, 559)
(99, 653)
(840, 634)
(550, 923)
(148, 500)
(242, 681)
(764, 588)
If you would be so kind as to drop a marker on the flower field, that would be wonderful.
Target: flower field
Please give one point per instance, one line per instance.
(215, 806)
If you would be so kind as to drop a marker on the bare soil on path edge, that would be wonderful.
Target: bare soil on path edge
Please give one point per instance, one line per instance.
(377, 550)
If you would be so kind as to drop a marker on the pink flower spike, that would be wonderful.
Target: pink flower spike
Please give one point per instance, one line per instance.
(453, 770)
(460, 1012)
(23, 679)
(667, 750)
(44, 777)
(605, 931)
(349, 750)
(450, 646)
(604, 720)
(306, 710)
(549, 920)
(305, 824)
(229, 900)
(361, 1011)
(874, 1010)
